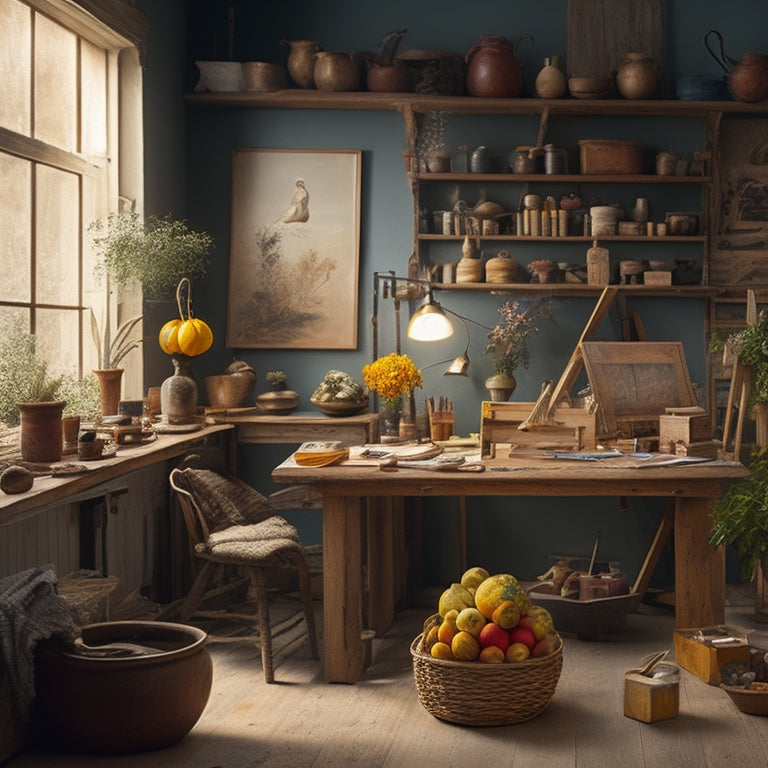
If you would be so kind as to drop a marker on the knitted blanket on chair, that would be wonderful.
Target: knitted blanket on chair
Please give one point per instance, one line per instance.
(30, 611)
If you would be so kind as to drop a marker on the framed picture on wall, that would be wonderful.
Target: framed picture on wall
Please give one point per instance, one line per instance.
(295, 247)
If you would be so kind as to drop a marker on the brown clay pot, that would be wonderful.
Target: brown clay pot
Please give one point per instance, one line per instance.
(41, 432)
(114, 704)
(493, 68)
(110, 382)
(395, 78)
(336, 72)
(301, 61)
(637, 77)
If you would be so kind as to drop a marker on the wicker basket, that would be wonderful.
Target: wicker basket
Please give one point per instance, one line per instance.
(473, 693)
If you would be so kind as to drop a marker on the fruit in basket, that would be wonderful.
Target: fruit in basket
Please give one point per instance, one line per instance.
(492, 655)
(517, 652)
(545, 646)
(455, 597)
(465, 646)
(539, 621)
(498, 589)
(473, 577)
(441, 651)
(522, 635)
(448, 628)
(470, 620)
(492, 635)
(507, 615)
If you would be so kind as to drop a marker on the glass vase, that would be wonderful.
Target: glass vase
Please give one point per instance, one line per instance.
(389, 424)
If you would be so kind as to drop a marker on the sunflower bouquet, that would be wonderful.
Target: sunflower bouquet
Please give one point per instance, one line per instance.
(391, 377)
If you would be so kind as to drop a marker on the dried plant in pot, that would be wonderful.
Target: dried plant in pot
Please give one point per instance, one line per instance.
(280, 401)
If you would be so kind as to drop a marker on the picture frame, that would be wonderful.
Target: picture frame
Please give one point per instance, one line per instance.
(633, 382)
(295, 249)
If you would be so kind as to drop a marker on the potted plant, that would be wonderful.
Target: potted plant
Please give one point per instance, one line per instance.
(30, 396)
(391, 377)
(280, 400)
(508, 343)
(387, 74)
(155, 252)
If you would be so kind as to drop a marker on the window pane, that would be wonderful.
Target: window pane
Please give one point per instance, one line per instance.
(56, 334)
(55, 84)
(15, 220)
(15, 67)
(94, 100)
(58, 251)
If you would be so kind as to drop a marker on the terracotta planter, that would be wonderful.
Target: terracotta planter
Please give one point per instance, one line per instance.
(119, 704)
(500, 387)
(110, 383)
(41, 432)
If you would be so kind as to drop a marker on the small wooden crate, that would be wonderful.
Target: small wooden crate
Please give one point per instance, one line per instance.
(650, 699)
(610, 156)
(571, 429)
(704, 660)
(684, 428)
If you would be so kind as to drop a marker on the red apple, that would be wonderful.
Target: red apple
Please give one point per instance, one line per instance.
(493, 634)
(522, 635)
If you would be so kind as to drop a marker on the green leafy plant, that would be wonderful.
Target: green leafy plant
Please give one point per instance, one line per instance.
(740, 517)
(24, 377)
(750, 345)
(277, 379)
(157, 252)
(82, 396)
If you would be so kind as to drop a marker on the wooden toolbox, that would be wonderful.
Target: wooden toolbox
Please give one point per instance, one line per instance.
(650, 699)
(567, 429)
(705, 650)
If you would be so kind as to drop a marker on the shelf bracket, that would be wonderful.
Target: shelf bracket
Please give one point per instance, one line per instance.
(543, 127)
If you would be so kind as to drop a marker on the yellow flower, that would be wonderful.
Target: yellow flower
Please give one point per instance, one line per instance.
(391, 377)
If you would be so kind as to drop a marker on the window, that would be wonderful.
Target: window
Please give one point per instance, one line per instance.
(70, 152)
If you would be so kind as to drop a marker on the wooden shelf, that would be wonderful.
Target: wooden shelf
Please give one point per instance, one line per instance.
(564, 178)
(667, 239)
(581, 289)
(297, 98)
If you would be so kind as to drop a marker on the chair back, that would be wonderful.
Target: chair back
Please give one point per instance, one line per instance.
(194, 519)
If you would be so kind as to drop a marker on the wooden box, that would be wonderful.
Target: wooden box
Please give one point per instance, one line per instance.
(610, 156)
(571, 429)
(704, 659)
(650, 699)
(679, 428)
(657, 277)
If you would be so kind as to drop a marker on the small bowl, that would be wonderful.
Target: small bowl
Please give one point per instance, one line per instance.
(703, 88)
(682, 223)
(752, 701)
(590, 87)
(263, 77)
(228, 390)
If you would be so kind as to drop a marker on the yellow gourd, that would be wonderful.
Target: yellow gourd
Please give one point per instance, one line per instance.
(186, 335)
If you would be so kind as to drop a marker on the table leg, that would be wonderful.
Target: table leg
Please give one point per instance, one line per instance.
(381, 562)
(342, 590)
(699, 567)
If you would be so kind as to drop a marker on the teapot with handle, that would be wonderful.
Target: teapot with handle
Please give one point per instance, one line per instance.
(747, 78)
(493, 67)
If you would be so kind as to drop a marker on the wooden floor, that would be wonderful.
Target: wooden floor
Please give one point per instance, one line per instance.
(302, 722)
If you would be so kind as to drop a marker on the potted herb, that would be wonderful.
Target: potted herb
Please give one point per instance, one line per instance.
(281, 400)
(508, 343)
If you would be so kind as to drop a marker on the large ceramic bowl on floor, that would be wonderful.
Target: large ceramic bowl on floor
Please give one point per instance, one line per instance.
(113, 703)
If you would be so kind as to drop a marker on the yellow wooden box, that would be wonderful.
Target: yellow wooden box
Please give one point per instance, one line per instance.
(649, 699)
(704, 660)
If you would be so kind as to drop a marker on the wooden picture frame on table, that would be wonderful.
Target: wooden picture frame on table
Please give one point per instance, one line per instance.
(295, 249)
(633, 382)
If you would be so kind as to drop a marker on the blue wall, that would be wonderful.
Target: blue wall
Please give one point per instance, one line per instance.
(188, 170)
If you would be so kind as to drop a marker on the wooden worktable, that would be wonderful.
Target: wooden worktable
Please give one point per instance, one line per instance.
(699, 567)
(58, 490)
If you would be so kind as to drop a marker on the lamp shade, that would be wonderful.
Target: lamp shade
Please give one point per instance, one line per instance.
(429, 323)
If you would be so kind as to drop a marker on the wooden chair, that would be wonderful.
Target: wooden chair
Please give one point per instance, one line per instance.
(237, 533)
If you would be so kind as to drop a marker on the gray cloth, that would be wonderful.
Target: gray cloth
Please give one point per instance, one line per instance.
(30, 611)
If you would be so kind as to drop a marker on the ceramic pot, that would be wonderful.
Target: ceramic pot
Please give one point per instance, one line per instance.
(70, 430)
(637, 77)
(500, 387)
(110, 381)
(501, 269)
(551, 82)
(336, 72)
(301, 61)
(41, 432)
(178, 393)
(121, 704)
(493, 68)
(748, 78)
(395, 78)
(220, 76)
(263, 77)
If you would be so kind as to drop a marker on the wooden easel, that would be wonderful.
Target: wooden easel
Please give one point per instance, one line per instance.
(740, 388)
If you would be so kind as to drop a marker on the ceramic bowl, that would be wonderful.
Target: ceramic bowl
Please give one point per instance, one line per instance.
(340, 407)
(590, 87)
(228, 390)
(752, 701)
(703, 88)
(261, 76)
(682, 223)
(220, 76)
